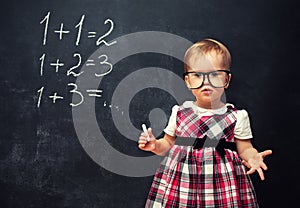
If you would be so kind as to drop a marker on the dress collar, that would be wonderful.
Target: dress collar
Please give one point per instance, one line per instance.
(199, 110)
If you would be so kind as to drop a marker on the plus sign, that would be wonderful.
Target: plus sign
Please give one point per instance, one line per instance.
(54, 97)
(57, 65)
(61, 31)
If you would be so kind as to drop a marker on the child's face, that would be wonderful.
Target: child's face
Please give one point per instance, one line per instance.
(207, 96)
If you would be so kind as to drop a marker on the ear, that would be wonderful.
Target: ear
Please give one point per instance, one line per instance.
(228, 81)
(186, 79)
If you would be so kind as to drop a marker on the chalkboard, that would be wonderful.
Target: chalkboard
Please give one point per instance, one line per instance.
(78, 78)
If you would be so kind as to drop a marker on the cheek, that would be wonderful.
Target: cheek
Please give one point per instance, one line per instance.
(219, 92)
(196, 92)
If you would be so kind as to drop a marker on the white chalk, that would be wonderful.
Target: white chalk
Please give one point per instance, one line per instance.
(146, 131)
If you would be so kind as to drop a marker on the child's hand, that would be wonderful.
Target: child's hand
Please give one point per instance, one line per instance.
(146, 145)
(255, 163)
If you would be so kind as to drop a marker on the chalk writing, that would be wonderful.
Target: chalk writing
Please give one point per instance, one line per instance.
(93, 93)
(101, 39)
(61, 31)
(101, 66)
(42, 59)
(103, 60)
(74, 90)
(70, 71)
(54, 97)
(46, 20)
(57, 64)
(40, 92)
(79, 26)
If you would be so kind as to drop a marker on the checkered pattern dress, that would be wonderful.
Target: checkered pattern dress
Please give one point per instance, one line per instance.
(190, 177)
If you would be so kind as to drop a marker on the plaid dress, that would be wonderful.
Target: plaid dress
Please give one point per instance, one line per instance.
(189, 177)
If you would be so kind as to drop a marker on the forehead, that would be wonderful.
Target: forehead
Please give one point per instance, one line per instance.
(205, 62)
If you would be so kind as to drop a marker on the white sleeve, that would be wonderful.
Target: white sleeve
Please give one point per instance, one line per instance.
(242, 128)
(171, 127)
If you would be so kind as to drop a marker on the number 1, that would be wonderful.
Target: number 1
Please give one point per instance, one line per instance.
(79, 29)
(40, 91)
(47, 17)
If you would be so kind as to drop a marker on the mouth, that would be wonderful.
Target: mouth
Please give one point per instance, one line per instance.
(206, 90)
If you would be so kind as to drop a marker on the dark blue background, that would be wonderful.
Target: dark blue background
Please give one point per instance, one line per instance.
(42, 163)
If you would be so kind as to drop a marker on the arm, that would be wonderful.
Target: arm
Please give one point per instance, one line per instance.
(157, 146)
(251, 157)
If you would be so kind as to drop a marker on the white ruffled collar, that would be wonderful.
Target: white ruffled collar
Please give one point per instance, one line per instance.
(199, 110)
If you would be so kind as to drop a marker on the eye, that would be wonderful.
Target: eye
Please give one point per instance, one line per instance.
(197, 74)
(214, 74)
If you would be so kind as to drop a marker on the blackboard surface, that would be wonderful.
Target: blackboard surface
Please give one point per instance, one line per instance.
(68, 65)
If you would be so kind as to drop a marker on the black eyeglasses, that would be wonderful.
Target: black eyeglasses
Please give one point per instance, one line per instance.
(217, 79)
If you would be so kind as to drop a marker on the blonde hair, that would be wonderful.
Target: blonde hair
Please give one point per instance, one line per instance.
(205, 47)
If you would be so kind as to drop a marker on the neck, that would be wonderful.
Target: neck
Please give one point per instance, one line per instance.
(210, 105)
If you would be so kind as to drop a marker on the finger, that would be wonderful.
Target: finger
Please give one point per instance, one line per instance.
(252, 170)
(143, 134)
(266, 153)
(264, 166)
(151, 136)
(142, 146)
(150, 132)
(246, 164)
(261, 174)
(142, 140)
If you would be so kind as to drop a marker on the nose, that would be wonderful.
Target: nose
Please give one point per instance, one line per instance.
(205, 79)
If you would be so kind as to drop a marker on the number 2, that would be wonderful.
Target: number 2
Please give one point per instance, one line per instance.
(69, 72)
(100, 39)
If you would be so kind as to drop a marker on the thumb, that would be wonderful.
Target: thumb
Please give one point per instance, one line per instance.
(266, 153)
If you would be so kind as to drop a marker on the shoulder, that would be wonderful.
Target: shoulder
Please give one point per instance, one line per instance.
(187, 104)
(242, 128)
(175, 109)
(240, 114)
(184, 106)
(187, 107)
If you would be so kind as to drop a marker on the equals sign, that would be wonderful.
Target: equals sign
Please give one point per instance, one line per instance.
(91, 34)
(90, 62)
(93, 93)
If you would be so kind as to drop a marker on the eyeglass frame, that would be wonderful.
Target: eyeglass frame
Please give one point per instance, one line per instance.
(207, 74)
